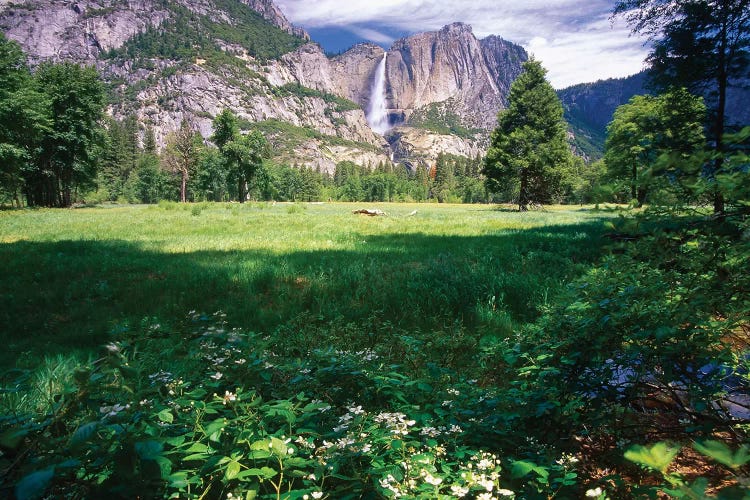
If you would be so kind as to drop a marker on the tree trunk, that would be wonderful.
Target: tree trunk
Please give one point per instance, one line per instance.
(183, 187)
(641, 196)
(241, 190)
(719, 208)
(523, 195)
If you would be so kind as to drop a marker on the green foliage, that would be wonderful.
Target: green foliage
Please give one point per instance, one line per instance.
(150, 183)
(647, 128)
(50, 136)
(68, 158)
(226, 128)
(660, 456)
(342, 105)
(702, 45)
(441, 119)
(24, 119)
(235, 416)
(244, 156)
(186, 35)
(529, 153)
(645, 340)
(211, 182)
(119, 160)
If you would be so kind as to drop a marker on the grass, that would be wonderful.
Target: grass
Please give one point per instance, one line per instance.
(73, 278)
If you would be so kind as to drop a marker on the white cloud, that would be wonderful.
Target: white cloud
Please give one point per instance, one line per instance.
(597, 52)
(580, 45)
(371, 35)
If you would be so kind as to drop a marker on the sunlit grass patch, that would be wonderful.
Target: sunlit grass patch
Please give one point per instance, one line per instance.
(70, 275)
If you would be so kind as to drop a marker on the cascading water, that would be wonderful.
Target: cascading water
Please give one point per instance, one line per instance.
(377, 111)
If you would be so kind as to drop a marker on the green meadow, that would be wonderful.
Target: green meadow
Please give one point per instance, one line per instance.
(296, 351)
(73, 279)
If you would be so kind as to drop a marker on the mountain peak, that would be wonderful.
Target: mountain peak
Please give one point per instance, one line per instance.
(457, 27)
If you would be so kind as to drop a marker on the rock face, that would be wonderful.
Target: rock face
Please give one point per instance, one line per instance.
(355, 72)
(76, 31)
(452, 64)
(320, 99)
(414, 146)
(273, 14)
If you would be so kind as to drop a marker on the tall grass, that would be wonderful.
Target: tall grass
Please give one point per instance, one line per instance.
(74, 279)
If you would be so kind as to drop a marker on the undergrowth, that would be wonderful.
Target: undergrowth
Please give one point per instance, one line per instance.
(630, 383)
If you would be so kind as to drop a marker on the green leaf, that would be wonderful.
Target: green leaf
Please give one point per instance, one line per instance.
(424, 386)
(298, 462)
(83, 433)
(166, 416)
(233, 468)
(165, 466)
(658, 457)
(12, 438)
(148, 450)
(178, 480)
(175, 441)
(34, 485)
(523, 467)
(198, 448)
(723, 454)
(264, 472)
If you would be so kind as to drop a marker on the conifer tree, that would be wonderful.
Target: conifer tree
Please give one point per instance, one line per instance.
(529, 153)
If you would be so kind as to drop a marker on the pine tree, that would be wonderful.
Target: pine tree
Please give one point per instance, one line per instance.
(529, 153)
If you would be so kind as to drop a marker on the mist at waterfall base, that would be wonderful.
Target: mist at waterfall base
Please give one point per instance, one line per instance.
(377, 111)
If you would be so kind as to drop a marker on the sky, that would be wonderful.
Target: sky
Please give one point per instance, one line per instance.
(577, 41)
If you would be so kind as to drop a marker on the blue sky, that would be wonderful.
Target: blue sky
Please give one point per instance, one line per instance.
(576, 41)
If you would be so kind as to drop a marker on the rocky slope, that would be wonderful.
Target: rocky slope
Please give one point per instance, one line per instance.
(590, 107)
(169, 60)
(451, 64)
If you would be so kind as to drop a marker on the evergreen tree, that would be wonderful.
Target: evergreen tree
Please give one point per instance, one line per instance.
(444, 178)
(149, 142)
(529, 151)
(120, 156)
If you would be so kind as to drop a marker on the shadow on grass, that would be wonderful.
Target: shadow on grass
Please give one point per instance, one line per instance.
(63, 297)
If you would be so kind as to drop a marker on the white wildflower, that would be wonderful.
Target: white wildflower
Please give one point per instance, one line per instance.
(459, 491)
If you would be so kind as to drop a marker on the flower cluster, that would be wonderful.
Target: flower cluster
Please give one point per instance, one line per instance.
(397, 423)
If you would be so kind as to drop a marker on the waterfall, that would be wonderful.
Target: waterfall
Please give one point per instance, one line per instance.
(377, 111)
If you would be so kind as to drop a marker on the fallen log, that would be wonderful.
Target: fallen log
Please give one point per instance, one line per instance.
(372, 212)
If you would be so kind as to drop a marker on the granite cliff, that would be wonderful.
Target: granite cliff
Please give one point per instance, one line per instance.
(169, 60)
